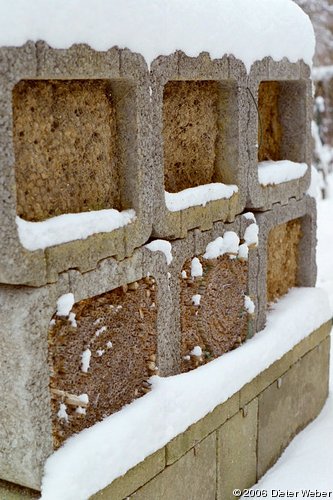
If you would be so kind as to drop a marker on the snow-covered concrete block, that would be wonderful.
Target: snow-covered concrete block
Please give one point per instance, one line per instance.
(214, 286)
(197, 120)
(278, 132)
(76, 351)
(287, 251)
(75, 157)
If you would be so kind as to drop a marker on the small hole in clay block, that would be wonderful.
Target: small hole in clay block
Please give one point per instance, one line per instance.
(213, 315)
(107, 351)
(199, 133)
(60, 128)
(282, 110)
(283, 258)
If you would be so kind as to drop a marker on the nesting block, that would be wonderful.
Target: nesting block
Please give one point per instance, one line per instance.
(197, 120)
(280, 97)
(75, 351)
(75, 137)
(287, 251)
(214, 280)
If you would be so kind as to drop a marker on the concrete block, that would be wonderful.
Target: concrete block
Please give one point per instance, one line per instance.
(198, 431)
(190, 478)
(278, 127)
(44, 72)
(133, 479)
(282, 365)
(304, 271)
(286, 408)
(178, 84)
(223, 285)
(237, 452)
(36, 364)
(25, 412)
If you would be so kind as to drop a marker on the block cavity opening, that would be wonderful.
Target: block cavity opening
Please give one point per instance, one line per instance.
(69, 146)
(212, 307)
(283, 258)
(105, 349)
(282, 123)
(200, 133)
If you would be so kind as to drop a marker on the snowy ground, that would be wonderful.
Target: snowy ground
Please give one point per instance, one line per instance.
(308, 461)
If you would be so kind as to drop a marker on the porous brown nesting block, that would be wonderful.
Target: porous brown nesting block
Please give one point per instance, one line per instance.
(75, 137)
(287, 251)
(279, 127)
(210, 309)
(119, 333)
(197, 119)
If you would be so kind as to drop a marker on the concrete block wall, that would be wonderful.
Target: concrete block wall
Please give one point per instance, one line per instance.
(39, 192)
(280, 127)
(183, 123)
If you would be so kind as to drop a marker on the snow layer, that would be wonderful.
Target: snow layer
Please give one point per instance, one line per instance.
(251, 235)
(196, 268)
(276, 172)
(325, 244)
(70, 227)
(92, 459)
(249, 304)
(196, 299)
(85, 360)
(199, 195)
(322, 73)
(65, 304)
(228, 243)
(161, 246)
(250, 30)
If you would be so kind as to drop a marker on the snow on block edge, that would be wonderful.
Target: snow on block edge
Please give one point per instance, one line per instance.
(70, 227)
(250, 30)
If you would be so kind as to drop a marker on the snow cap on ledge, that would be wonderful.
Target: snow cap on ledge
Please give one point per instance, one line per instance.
(249, 30)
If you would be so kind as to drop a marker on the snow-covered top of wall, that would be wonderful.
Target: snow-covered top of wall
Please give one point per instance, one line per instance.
(248, 29)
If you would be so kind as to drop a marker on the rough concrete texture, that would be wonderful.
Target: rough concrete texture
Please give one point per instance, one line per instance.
(204, 325)
(196, 107)
(237, 452)
(191, 478)
(25, 412)
(287, 407)
(305, 210)
(282, 95)
(64, 80)
(25, 313)
(123, 486)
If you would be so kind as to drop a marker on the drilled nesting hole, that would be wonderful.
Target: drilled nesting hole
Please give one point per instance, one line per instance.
(282, 110)
(199, 118)
(220, 322)
(66, 147)
(283, 258)
(119, 330)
